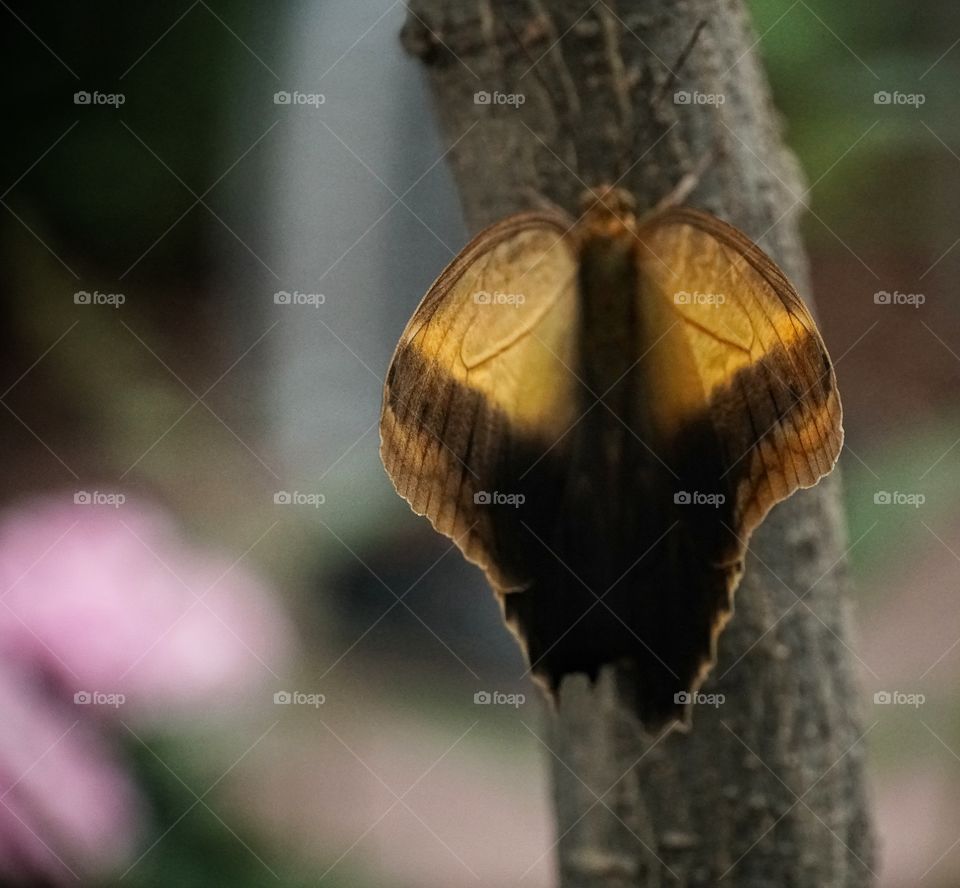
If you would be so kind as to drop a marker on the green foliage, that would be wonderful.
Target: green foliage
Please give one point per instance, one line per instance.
(203, 848)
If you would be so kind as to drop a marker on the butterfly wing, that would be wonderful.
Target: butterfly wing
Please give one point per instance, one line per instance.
(739, 402)
(734, 398)
(766, 381)
(480, 377)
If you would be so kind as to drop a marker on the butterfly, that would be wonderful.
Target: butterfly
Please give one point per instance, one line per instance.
(600, 413)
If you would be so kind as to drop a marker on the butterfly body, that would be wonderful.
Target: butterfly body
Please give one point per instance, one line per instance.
(609, 314)
(601, 432)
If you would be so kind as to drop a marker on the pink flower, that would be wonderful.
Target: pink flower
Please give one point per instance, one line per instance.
(67, 808)
(107, 613)
(115, 601)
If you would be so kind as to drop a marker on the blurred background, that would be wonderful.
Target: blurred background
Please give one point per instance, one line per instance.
(229, 654)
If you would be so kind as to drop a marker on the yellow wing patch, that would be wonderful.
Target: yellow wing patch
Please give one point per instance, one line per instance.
(481, 365)
(766, 379)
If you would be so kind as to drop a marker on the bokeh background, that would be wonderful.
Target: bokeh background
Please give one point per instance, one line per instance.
(194, 517)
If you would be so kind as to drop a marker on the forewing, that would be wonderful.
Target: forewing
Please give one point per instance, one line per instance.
(482, 372)
(765, 379)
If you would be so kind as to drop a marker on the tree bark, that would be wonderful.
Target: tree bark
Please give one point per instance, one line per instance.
(721, 802)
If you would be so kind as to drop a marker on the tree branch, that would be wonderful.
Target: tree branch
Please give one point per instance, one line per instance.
(766, 789)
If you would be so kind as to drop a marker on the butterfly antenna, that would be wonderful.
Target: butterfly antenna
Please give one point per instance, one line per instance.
(572, 98)
(688, 182)
(537, 197)
(671, 81)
